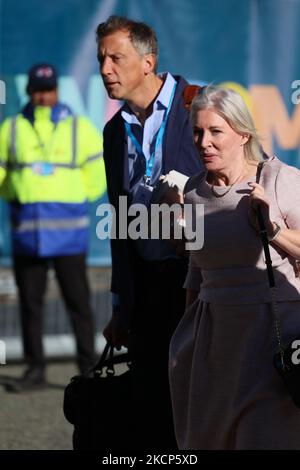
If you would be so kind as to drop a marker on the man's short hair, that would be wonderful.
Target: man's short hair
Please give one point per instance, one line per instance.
(142, 37)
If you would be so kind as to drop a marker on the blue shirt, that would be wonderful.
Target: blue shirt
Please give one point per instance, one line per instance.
(149, 250)
(146, 136)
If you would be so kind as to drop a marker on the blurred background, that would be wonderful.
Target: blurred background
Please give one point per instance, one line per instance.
(250, 45)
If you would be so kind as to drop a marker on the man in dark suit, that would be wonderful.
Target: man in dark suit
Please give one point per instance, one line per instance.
(149, 136)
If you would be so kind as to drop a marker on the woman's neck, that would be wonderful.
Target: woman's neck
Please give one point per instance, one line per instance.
(229, 176)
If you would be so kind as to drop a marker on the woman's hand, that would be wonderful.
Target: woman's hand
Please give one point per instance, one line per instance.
(172, 196)
(257, 199)
(287, 239)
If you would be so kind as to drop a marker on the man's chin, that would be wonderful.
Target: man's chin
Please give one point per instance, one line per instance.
(113, 94)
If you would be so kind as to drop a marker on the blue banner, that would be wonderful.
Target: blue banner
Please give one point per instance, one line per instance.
(251, 45)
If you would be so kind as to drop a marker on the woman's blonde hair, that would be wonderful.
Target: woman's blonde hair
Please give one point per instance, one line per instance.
(231, 107)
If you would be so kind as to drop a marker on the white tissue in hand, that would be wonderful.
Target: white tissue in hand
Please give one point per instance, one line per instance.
(174, 178)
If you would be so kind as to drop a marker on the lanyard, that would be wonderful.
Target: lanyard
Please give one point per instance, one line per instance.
(159, 137)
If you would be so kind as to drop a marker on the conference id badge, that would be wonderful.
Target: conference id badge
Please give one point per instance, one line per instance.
(143, 194)
(43, 168)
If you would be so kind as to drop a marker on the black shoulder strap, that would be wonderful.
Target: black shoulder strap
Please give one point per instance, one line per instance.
(263, 233)
(259, 170)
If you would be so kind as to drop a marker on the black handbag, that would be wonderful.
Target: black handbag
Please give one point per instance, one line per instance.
(287, 365)
(285, 361)
(98, 404)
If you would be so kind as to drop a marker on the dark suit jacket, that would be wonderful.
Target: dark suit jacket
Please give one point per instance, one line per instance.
(179, 153)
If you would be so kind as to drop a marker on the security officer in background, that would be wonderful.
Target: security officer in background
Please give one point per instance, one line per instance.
(51, 166)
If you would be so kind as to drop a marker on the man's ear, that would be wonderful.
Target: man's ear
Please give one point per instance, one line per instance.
(149, 63)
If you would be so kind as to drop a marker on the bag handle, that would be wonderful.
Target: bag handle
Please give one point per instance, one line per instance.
(100, 364)
(108, 360)
(265, 242)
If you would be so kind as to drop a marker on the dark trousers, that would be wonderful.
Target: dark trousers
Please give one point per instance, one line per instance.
(160, 306)
(31, 279)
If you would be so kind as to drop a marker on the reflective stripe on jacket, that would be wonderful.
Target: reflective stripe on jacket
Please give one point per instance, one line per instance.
(49, 172)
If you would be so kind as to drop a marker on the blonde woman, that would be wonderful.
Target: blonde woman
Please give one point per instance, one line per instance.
(225, 391)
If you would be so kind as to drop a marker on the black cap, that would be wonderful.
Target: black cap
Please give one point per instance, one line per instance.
(41, 77)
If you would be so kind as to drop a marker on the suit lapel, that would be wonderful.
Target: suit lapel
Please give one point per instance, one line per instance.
(119, 156)
(173, 134)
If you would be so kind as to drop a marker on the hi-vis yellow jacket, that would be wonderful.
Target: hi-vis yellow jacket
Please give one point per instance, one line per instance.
(49, 170)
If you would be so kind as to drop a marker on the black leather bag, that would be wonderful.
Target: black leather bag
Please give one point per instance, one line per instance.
(98, 404)
(287, 365)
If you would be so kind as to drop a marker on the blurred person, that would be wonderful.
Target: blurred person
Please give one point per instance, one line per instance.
(51, 166)
(149, 136)
(226, 394)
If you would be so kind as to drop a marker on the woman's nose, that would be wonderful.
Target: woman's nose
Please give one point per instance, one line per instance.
(205, 140)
